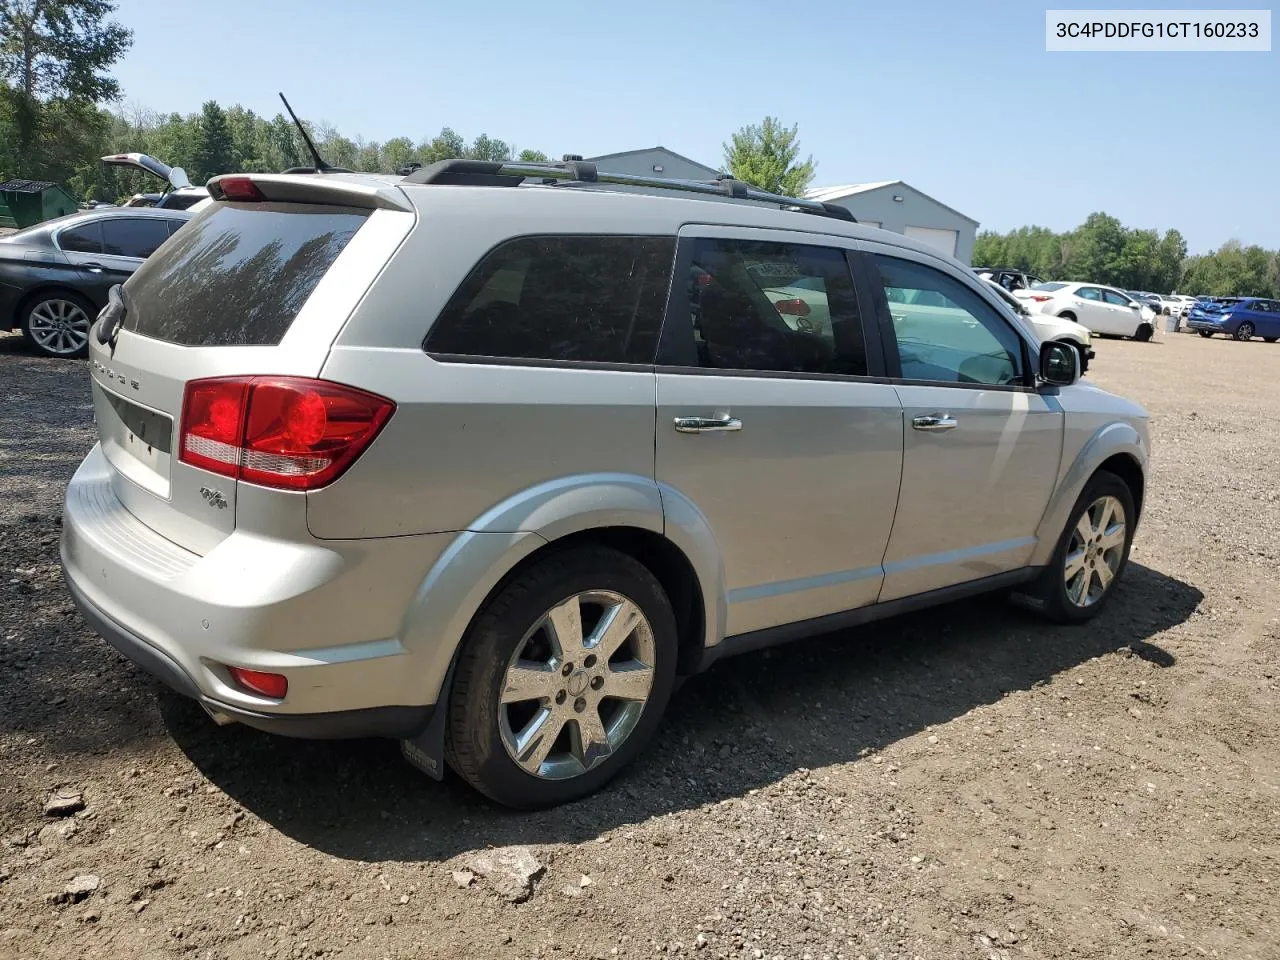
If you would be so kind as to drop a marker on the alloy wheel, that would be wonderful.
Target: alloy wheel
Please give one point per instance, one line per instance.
(59, 327)
(577, 685)
(1244, 331)
(1095, 552)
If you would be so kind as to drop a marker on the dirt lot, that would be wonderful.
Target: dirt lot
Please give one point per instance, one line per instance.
(964, 783)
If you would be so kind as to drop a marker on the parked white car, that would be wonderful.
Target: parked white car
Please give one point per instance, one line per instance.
(1048, 327)
(1183, 306)
(1103, 310)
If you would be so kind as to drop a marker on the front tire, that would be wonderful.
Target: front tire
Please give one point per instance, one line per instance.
(1092, 553)
(1144, 332)
(1205, 333)
(1244, 331)
(1271, 339)
(563, 677)
(57, 324)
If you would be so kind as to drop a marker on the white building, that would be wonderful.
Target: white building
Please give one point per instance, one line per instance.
(890, 204)
(894, 205)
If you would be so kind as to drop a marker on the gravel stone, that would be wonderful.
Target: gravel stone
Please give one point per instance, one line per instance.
(801, 840)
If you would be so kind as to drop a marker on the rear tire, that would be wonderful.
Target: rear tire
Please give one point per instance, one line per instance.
(57, 323)
(1144, 332)
(568, 737)
(1068, 315)
(1244, 331)
(1091, 552)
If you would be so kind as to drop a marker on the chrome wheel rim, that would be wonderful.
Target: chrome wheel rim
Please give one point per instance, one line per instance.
(577, 685)
(58, 326)
(1095, 552)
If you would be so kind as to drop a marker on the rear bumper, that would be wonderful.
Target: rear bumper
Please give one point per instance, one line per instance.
(328, 616)
(1195, 323)
(394, 722)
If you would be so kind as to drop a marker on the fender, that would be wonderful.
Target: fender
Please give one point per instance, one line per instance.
(479, 557)
(492, 545)
(1107, 441)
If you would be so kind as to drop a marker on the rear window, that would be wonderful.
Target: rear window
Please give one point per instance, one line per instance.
(1048, 286)
(238, 274)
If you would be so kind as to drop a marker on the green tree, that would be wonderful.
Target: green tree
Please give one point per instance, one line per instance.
(448, 145)
(214, 149)
(53, 58)
(766, 156)
(533, 156)
(486, 148)
(396, 152)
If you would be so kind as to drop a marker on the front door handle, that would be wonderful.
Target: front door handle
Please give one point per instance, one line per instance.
(935, 422)
(723, 424)
(93, 267)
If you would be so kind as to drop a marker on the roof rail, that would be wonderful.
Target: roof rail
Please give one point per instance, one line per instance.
(574, 171)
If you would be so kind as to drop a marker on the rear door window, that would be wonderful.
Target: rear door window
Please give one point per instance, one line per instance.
(86, 238)
(238, 274)
(564, 298)
(136, 237)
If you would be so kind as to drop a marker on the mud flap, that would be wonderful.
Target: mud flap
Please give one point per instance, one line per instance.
(426, 750)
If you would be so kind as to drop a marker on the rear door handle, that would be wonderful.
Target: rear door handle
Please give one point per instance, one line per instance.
(935, 422)
(93, 267)
(723, 424)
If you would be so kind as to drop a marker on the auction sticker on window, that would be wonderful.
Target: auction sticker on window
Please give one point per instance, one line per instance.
(1158, 30)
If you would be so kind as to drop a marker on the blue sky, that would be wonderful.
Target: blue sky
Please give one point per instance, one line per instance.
(959, 99)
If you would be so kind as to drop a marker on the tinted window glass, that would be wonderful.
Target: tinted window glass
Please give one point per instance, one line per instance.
(772, 306)
(238, 274)
(584, 298)
(133, 236)
(1048, 286)
(1089, 293)
(1118, 299)
(946, 332)
(83, 239)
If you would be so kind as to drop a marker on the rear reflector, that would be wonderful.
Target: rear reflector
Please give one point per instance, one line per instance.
(292, 433)
(272, 685)
(240, 188)
(793, 308)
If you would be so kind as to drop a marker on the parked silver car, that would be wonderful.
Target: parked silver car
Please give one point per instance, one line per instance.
(484, 460)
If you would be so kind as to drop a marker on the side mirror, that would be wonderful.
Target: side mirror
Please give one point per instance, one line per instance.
(1059, 363)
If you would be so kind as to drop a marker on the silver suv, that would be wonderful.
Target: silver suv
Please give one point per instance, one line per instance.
(486, 457)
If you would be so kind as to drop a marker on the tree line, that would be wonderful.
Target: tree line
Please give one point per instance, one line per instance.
(55, 54)
(1103, 250)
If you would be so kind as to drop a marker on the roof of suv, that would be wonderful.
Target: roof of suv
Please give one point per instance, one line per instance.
(643, 206)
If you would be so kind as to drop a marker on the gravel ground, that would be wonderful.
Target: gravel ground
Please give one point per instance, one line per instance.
(963, 783)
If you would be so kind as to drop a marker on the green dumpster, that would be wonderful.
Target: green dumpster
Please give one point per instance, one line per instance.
(24, 203)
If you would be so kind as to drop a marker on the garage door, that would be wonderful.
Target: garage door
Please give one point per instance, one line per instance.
(944, 240)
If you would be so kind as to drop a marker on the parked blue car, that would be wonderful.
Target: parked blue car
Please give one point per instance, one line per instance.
(1240, 317)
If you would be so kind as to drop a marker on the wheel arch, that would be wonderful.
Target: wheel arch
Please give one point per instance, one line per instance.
(1117, 447)
(633, 514)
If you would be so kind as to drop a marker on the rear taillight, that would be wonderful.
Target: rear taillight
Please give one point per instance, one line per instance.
(272, 685)
(294, 433)
(240, 188)
(1040, 298)
(793, 308)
